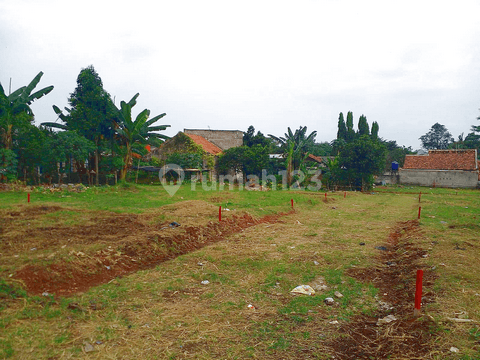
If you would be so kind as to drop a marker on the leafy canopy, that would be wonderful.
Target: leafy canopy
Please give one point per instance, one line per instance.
(15, 111)
(437, 138)
(249, 160)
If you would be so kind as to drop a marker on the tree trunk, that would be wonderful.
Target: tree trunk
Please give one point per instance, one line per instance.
(126, 162)
(8, 137)
(136, 175)
(96, 162)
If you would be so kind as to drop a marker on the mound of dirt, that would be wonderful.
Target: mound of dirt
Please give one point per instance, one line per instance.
(134, 243)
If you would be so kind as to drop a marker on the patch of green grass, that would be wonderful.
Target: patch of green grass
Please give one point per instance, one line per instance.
(6, 349)
(302, 304)
(61, 338)
(213, 277)
(333, 276)
(11, 290)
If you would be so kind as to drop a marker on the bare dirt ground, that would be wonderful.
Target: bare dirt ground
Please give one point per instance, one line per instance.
(135, 242)
(408, 337)
(56, 262)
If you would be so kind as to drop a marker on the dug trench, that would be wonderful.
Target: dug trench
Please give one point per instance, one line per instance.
(142, 244)
(407, 337)
(137, 246)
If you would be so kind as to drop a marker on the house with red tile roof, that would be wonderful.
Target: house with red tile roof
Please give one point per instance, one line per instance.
(204, 142)
(453, 168)
(206, 145)
(186, 143)
(224, 139)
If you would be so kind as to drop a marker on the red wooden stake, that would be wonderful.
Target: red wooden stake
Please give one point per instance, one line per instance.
(418, 293)
(291, 202)
(420, 197)
(325, 196)
(220, 213)
(28, 197)
(419, 212)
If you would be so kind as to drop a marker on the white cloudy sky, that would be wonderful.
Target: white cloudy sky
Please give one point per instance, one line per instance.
(272, 64)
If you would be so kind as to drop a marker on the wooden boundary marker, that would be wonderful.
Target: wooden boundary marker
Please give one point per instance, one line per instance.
(418, 293)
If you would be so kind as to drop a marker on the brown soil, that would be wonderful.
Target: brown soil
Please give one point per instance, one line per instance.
(104, 246)
(408, 337)
(128, 243)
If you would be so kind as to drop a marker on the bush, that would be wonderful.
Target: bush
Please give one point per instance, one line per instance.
(8, 165)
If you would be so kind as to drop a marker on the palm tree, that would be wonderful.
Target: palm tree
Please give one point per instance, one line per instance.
(139, 130)
(15, 108)
(295, 148)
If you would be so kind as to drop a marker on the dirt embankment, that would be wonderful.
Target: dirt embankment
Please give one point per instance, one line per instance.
(110, 245)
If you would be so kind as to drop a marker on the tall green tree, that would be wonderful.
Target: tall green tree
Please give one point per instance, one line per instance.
(15, 111)
(29, 151)
(140, 130)
(375, 129)
(363, 128)
(16, 117)
(342, 128)
(91, 111)
(320, 149)
(349, 125)
(472, 141)
(437, 138)
(295, 146)
(250, 138)
(248, 160)
(232, 159)
(362, 159)
(64, 147)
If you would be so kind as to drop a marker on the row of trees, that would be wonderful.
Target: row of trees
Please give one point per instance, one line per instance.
(96, 136)
(16, 118)
(354, 157)
(99, 139)
(438, 137)
(358, 155)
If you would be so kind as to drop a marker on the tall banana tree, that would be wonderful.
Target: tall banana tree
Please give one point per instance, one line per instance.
(140, 130)
(15, 108)
(295, 148)
(61, 116)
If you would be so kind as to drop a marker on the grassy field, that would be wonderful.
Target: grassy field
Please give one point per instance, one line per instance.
(246, 310)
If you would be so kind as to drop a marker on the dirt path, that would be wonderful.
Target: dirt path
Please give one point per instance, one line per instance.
(406, 337)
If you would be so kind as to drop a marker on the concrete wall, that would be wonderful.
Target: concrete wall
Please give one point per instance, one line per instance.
(440, 178)
(387, 178)
(224, 139)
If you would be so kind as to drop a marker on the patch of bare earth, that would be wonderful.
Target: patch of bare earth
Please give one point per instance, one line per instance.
(407, 337)
(104, 246)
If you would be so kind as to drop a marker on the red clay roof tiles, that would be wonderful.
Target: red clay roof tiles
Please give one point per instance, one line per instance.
(315, 158)
(205, 144)
(443, 160)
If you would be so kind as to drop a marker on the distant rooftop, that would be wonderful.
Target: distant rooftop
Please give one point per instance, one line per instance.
(205, 144)
(461, 159)
(185, 130)
(224, 139)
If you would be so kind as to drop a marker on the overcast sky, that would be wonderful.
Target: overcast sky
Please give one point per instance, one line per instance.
(271, 64)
